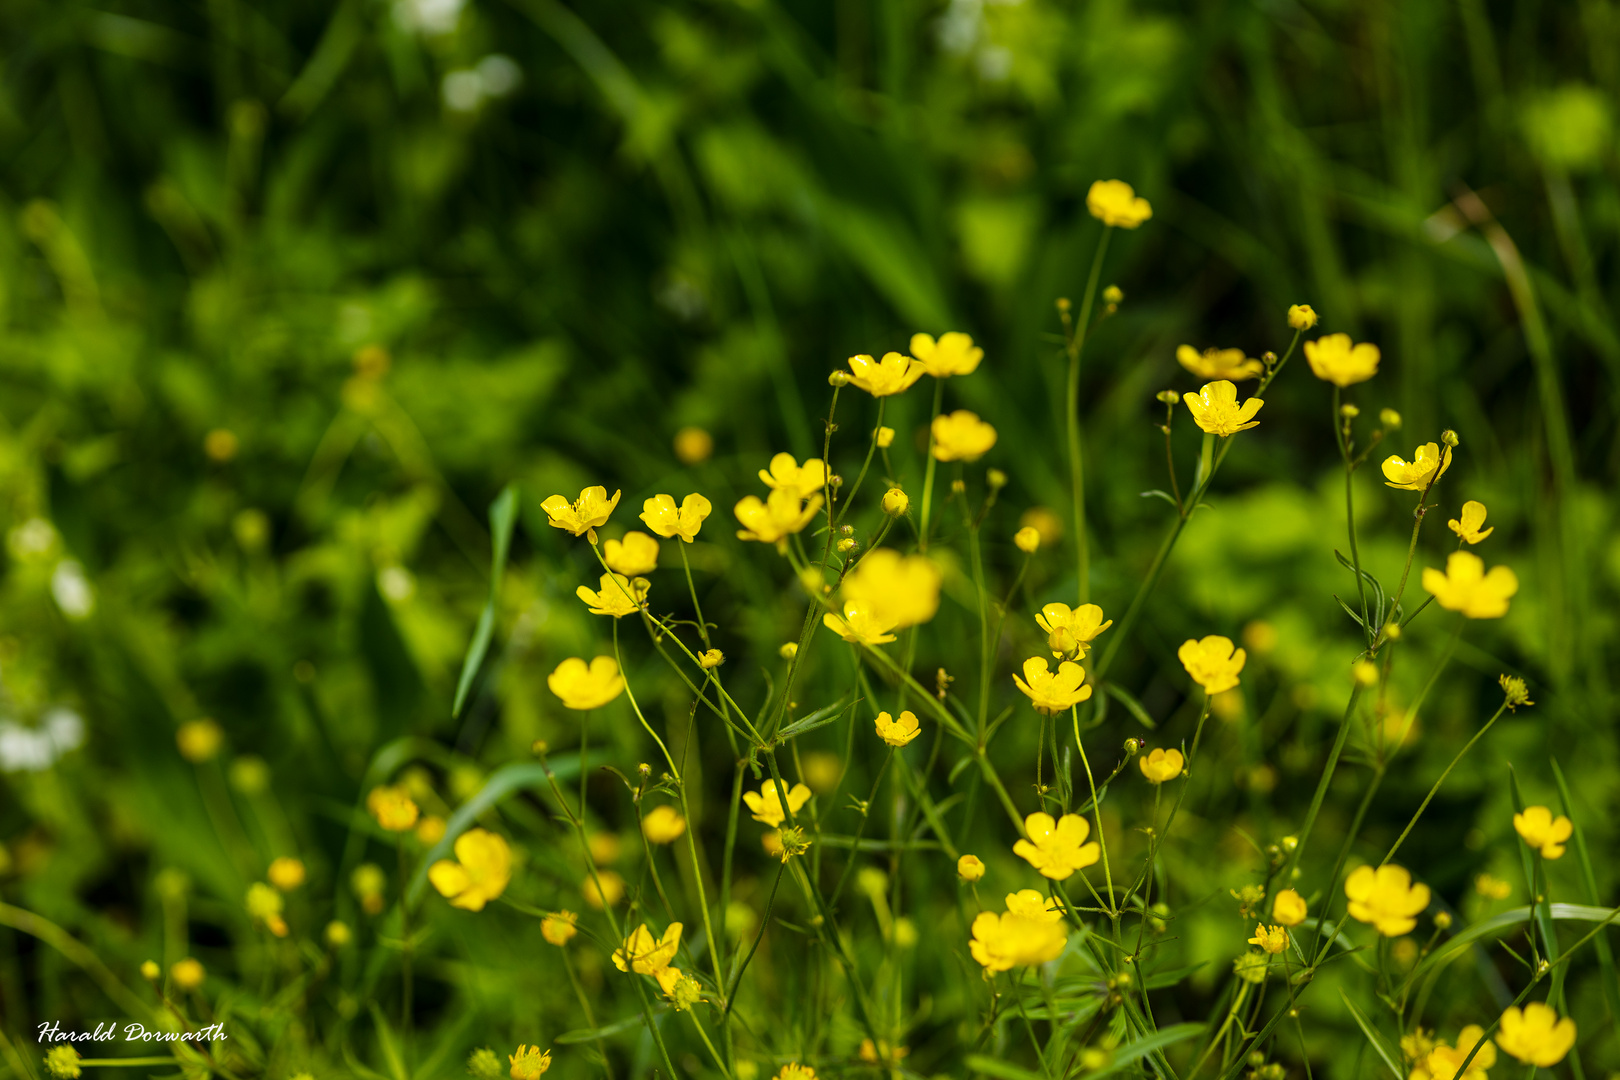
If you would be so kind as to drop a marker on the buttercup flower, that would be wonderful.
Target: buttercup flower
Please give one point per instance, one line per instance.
(1057, 848)
(616, 595)
(766, 805)
(1444, 1062)
(480, 872)
(795, 1071)
(903, 586)
(1333, 359)
(529, 1063)
(1215, 409)
(1288, 908)
(1053, 692)
(1514, 689)
(1161, 765)
(1466, 587)
(1032, 904)
(896, 502)
(1071, 632)
(962, 436)
(693, 445)
(881, 378)
(862, 624)
(1002, 942)
(709, 659)
(953, 354)
(1428, 465)
(1115, 203)
(1301, 317)
(663, 518)
(1212, 662)
(1535, 1035)
(786, 474)
(1027, 540)
(584, 687)
(591, 509)
(636, 554)
(559, 927)
(884, 437)
(286, 873)
(199, 740)
(663, 825)
(188, 974)
(1492, 888)
(610, 893)
(970, 868)
(1547, 834)
(1468, 529)
(1386, 898)
(1273, 941)
(1219, 363)
(781, 515)
(898, 732)
(392, 808)
(264, 904)
(645, 955)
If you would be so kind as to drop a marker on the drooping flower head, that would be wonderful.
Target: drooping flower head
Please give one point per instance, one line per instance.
(1429, 463)
(480, 872)
(663, 518)
(636, 554)
(1468, 529)
(904, 587)
(1386, 898)
(591, 509)
(1466, 587)
(962, 436)
(1334, 359)
(1547, 834)
(1212, 662)
(646, 955)
(1215, 409)
(1052, 692)
(953, 354)
(786, 474)
(766, 805)
(781, 515)
(1535, 1035)
(1070, 632)
(898, 732)
(1288, 908)
(582, 686)
(1161, 765)
(1057, 848)
(615, 595)
(1115, 203)
(881, 378)
(663, 825)
(1219, 363)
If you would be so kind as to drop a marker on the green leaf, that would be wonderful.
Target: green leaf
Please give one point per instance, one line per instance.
(579, 1035)
(1379, 1043)
(820, 718)
(1126, 1056)
(1611, 985)
(1157, 494)
(385, 1039)
(1508, 919)
(1134, 707)
(502, 516)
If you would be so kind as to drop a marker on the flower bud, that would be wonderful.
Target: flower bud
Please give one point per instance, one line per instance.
(839, 378)
(1349, 412)
(150, 971)
(788, 651)
(1027, 539)
(710, 659)
(1366, 673)
(958, 487)
(969, 868)
(1167, 397)
(1113, 294)
(885, 437)
(1133, 745)
(1449, 437)
(1063, 304)
(1301, 317)
(896, 502)
(1390, 419)
(1442, 920)
(1268, 358)
(845, 546)
(996, 479)
(338, 934)
(1392, 631)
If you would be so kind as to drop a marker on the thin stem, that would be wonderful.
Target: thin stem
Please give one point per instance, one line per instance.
(1436, 788)
(928, 474)
(1340, 436)
(1077, 478)
(849, 500)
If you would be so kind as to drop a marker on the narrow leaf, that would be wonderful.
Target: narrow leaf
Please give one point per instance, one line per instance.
(1134, 707)
(502, 516)
(1379, 1043)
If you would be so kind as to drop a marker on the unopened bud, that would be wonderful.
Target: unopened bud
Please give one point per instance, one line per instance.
(896, 502)
(1268, 358)
(1449, 437)
(1349, 412)
(885, 437)
(1027, 540)
(845, 546)
(958, 487)
(996, 479)
(1167, 397)
(788, 651)
(1442, 920)
(1133, 745)
(839, 378)
(1366, 673)
(1063, 304)
(1301, 317)
(1390, 419)
(1113, 294)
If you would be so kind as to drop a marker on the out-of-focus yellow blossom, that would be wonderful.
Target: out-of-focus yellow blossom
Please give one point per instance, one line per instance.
(591, 509)
(199, 740)
(1070, 632)
(896, 502)
(150, 971)
(1288, 908)
(1057, 848)
(1212, 662)
(392, 808)
(786, 474)
(962, 436)
(430, 830)
(1215, 409)
(338, 934)
(644, 954)
(1334, 359)
(1052, 692)
(1027, 540)
(1390, 419)
(884, 437)
(788, 650)
(795, 1071)
(693, 445)
(1466, 587)
(529, 1063)
(1547, 834)
(286, 873)
(368, 882)
(663, 825)
(1260, 637)
(881, 378)
(709, 659)
(822, 770)
(1386, 898)
(662, 517)
(1492, 888)
(779, 516)
(605, 847)
(1115, 203)
(188, 974)
(559, 927)
(882, 1052)
(1468, 529)
(265, 904)
(62, 1062)
(861, 624)
(953, 354)
(1003, 942)
(898, 732)
(1161, 765)
(1535, 1035)
(480, 872)
(970, 868)
(610, 892)
(1444, 1061)
(615, 595)
(1428, 465)
(772, 843)
(903, 586)
(1043, 521)
(582, 686)
(1365, 672)
(1273, 941)
(1219, 363)
(1035, 905)
(1301, 317)
(1415, 1045)
(636, 554)
(766, 805)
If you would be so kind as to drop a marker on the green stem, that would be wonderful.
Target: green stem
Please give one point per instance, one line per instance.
(1077, 478)
(928, 474)
(1480, 734)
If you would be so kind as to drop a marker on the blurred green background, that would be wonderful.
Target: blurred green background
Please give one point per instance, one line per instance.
(569, 231)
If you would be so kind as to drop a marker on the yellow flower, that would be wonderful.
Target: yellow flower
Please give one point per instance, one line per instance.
(636, 554)
(617, 595)
(862, 624)
(885, 437)
(1301, 317)
(693, 445)
(150, 970)
(1027, 540)
(709, 659)
(1288, 908)
(953, 354)
(559, 927)
(584, 687)
(1057, 848)
(1386, 898)
(1031, 904)
(588, 511)
(1535, 1035)
(896, 502)
(1114, 202)
(1416, 1046)
(392, 808)
(881, 1052)
(286, 873)
(605, 847)
(962, 436)
(766, 805)
(187, 974)
(781, 515)
(199, 740)
(1002, 942)
(1215, 409)
(663, 825)
(786, 474)
(529, 1063)
(795, 1071)
(970, 868)
(662, 518)
(264, 904)
(1272, 941)
(645, 955)
(1444, 1062)
(1219, 363)
(1514, 689)
(1429, 463)
(1071, 632)
(1492, 888)
(905, 587)
(1053, 692)
(898, 732)
(1161, 765)
(610, 892)
(1468, 529)
(430, 830)
(881, 378)
(1212, 662)
(479, 874)
(62, 1062)
(1466, 587)
(1333, 359)
(1547, 834)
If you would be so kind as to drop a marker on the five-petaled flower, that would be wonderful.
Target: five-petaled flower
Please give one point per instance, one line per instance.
(1212, 662)
(881, 378)
(479, 873)
(1429, 463)
(1273, 941)
(898, 732)
(1057, 848)
(1052, 692)
(663, 518)
(953, 354)
(1115, 203)
(392, 807)
(616, 595)
(1215, 409)
(766, 804)
(1535, 1035)
(904, 586)
(1033, 904)
(1219, 363)
(1003, 942)
(1547, 834)
(779, 516)
(1288, 908)
(1161, 765)
(1468, 529)
(1386, 898)
(962, 436)
(1443, 1061)
(1466, 587)
(786, 474)
(1334, 359)
(582, 686)
(1070, 631)
(646, 955)
(636, 554)
(861, 623)
(583, 514)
